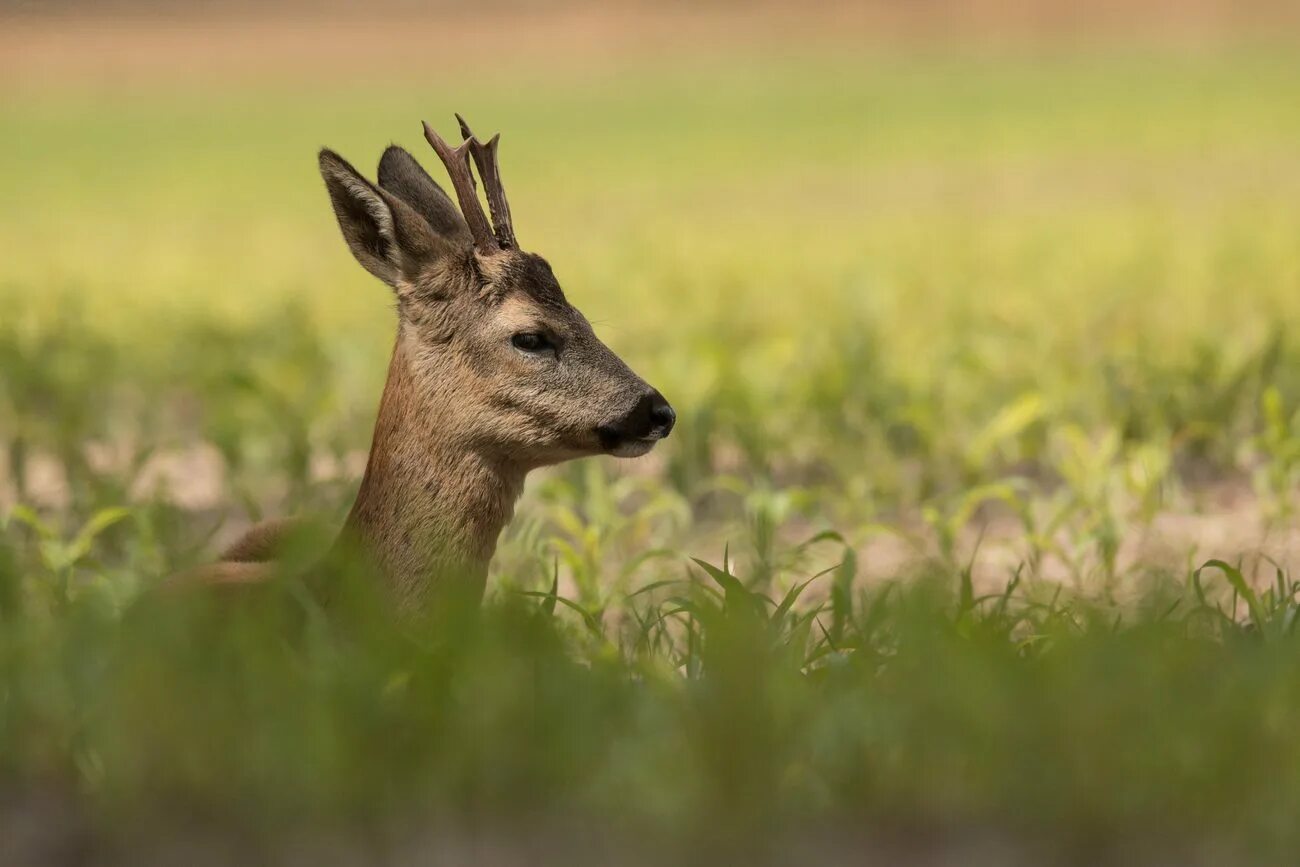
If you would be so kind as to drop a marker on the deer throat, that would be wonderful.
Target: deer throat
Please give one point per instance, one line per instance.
(431, 507)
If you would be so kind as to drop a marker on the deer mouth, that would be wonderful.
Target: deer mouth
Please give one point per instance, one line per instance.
(622, 445)
(633, 448)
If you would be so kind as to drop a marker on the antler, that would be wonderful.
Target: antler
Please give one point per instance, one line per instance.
(485, 157)
(457, 162)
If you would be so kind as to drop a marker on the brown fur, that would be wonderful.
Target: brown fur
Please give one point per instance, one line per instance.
(262, 542)
(468, 410)
(432, 502)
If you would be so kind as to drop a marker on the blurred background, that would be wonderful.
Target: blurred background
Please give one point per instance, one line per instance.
(997, 290)
(876, 253)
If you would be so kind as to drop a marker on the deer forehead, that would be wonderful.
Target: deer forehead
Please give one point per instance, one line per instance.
(519, 311)
(516, 271)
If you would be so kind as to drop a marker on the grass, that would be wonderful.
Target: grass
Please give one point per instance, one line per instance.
(1009, 314)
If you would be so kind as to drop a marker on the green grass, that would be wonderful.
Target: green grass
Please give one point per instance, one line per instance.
(889, 296)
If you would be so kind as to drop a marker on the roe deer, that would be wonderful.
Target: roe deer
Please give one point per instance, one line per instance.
(493, 374)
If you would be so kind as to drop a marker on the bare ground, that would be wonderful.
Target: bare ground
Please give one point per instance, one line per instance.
(122, 45)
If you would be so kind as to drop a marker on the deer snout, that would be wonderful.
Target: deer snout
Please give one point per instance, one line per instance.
(662, 417)
(651, 419)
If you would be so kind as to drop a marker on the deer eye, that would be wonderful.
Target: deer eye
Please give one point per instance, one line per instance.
(532, 341)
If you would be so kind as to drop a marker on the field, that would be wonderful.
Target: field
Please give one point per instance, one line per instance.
(976, 541)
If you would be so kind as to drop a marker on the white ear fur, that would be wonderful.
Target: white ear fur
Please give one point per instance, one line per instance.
(373, 203)
(365, 219)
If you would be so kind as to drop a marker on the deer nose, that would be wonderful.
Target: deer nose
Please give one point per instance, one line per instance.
(662, 417)
(650, 419)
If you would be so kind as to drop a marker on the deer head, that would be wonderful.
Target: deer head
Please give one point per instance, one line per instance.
(514, 370)
(494, 373)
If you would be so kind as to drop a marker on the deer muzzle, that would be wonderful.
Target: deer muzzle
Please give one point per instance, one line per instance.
(650, 420)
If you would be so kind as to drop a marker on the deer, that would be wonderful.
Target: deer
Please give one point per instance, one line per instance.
(493, 374)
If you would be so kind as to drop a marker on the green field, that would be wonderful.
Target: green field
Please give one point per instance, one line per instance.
(999, 346)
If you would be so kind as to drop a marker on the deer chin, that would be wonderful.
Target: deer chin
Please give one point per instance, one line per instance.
(633, 448)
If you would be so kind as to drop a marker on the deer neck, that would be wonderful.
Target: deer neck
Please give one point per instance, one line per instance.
(431, 506)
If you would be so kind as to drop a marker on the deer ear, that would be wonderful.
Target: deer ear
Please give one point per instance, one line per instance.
(386, 236)
(401, 175)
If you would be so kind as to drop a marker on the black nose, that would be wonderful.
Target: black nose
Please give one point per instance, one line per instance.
(662, 417)
(650, 419)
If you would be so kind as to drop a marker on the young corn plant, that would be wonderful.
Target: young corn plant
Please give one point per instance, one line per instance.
(600, 531)
(1269, 612)
(60, 568)
(1276, 448)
